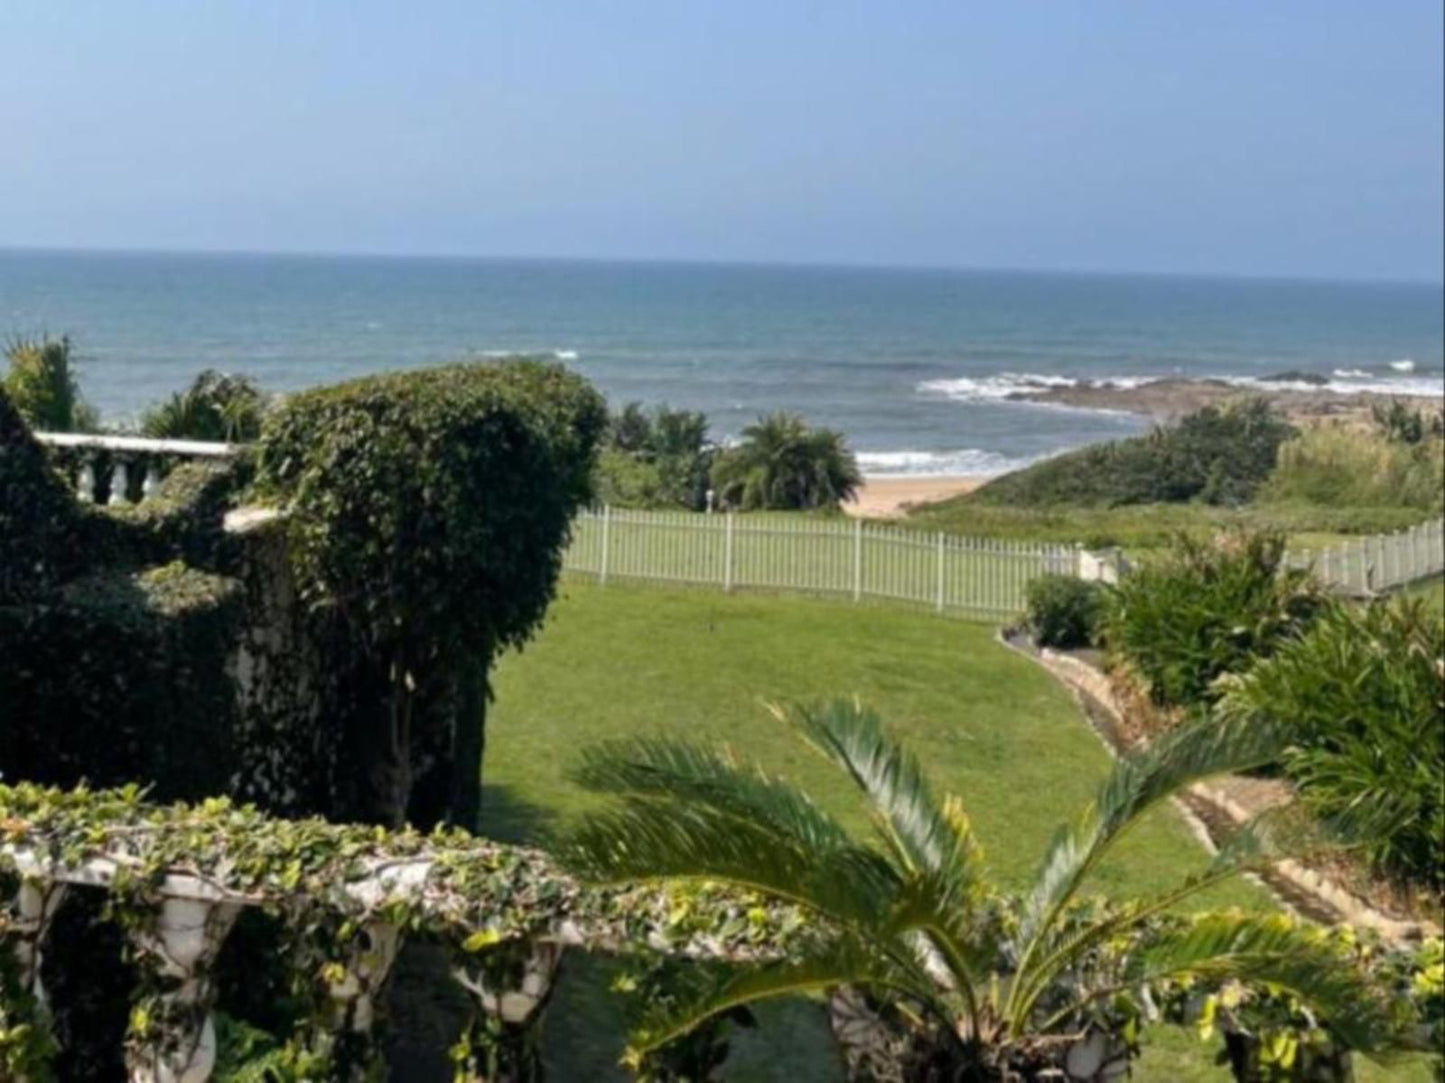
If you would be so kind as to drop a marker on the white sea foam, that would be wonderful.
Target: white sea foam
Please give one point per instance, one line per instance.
(1405, 364)
(994, 388)
(1349, 383)
(565, 355)
(1351, 374)
(963, 462)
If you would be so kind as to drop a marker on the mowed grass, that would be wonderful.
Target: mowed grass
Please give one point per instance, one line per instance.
(988, 724)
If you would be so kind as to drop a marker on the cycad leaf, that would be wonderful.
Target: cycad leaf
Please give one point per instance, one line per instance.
(667, 770)
(1137, 783)
(843, 962)
(1274, 950)
(648, 840)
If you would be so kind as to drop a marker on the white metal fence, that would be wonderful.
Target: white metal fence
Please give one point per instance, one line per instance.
(856, 559)
(1379, 562)
(853, 559)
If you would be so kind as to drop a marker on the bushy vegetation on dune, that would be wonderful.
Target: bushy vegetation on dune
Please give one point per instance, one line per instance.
(1332, 465)
(1064, 610)
(1207, 609)
(1216, 456)
(1364, 687)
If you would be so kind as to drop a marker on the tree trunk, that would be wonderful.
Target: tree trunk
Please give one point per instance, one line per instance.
(469, 742)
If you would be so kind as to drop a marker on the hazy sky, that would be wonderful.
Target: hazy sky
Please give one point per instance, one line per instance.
(1294, 137)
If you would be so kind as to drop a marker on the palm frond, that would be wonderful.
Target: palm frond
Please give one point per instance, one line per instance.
(912, 822)
(667, 770)
(1138, 783)
(650, 841)
(846, 961)
(1276, 952)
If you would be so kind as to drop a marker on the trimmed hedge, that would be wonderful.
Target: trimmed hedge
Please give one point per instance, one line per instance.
(1064, 610)
(427, 515)
(121, 676)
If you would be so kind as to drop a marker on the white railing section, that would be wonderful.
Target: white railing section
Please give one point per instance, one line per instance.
(1379, 562)
(851, 559)
(125, 469)
(858, 559)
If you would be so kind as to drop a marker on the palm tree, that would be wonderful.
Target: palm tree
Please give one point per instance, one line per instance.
(41, 383)
(217, 406)
(783, 463)
(934, 973)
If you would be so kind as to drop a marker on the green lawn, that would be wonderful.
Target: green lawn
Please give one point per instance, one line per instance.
(990, 725)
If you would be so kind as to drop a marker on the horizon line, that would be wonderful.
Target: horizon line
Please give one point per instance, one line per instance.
(679, 261)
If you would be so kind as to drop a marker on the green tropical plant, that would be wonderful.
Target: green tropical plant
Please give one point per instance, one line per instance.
(959, 981)
(784, 463)
(657, 458)
(1064, 610)
(217, 406)
(1363, 685)
(42, 385)
(1207, 609)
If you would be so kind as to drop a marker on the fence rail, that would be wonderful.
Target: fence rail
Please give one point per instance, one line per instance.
(1379, 562)
(851, 559)
(854, 559)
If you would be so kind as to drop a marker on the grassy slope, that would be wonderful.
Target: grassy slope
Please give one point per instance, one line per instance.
(989, 724)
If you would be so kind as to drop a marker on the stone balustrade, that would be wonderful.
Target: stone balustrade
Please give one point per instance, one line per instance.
(123, 469)
(179, 877)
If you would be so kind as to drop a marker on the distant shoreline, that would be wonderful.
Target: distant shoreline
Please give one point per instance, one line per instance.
(891, 496)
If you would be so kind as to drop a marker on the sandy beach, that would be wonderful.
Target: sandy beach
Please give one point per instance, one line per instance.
(888, 497)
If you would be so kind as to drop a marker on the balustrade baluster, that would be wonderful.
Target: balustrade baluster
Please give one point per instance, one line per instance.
(119, 482)
(511, 985)
(85, 483)
(177, 952)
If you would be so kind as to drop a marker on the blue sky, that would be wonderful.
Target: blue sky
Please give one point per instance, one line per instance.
(1293, 137)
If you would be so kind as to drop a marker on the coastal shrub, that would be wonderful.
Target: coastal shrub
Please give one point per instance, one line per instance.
(782, 462)
(427, 514)
(655, 459)
(1400, 424)
(217, 406)
(1218, 455)
(1206, 609)
(1063, 610)
(42, 385)
(1363, 686)
(1334, 465)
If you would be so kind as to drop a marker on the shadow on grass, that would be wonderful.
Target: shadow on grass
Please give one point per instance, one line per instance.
(508, 818)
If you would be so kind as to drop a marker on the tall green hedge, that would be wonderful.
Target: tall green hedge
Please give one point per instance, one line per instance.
(427, 515)
(38, 517)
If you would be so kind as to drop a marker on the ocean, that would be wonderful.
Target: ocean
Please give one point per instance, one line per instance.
(915, 366)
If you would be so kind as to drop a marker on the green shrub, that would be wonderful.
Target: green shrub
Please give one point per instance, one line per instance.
(428, 511)
(1336, 466)
(1206, 610)
(655, 459)
(1217, 455)
(1363, 685)
(783, 463)
(217, 406)
(1063, 610)
(42, 385)
(1400, 424)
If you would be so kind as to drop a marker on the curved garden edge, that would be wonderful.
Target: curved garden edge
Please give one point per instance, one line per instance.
(1209, 811)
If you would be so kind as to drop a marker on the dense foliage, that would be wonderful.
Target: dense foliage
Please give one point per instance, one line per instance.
(1365, 688)
(1219, 455)
(42, 385)
(1179, 623)
(428, 511)
(1064, 610)
(38, 517)
(217, 406)
(963, 982)
(655, 459)
(1337, 466)
(782, 462)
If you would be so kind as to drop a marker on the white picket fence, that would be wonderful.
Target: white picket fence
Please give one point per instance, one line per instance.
(984, 577)
(1379, 562)
(853, 559)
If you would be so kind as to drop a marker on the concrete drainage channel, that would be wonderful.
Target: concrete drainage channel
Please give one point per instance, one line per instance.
(1212, 814)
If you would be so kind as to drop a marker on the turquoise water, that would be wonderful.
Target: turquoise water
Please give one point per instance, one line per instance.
(912, 365)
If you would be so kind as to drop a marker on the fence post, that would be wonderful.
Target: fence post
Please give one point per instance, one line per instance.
(939, 599)
(728, 554)
(857, 560)
(606, 531)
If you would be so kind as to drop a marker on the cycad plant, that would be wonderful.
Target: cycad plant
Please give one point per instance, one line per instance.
(782, 462)
(217, 406)
(934, 974)
(41, 382)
